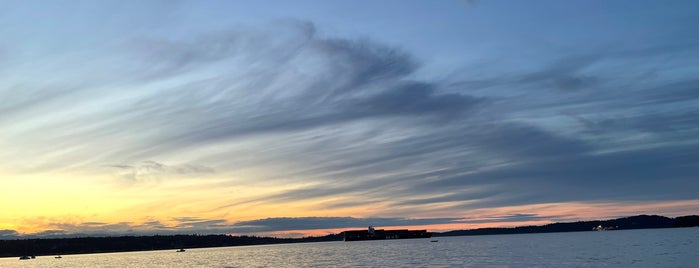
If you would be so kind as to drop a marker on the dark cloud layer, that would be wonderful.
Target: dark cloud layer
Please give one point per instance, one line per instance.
(196, 225)
(311, 223)
(9, 234)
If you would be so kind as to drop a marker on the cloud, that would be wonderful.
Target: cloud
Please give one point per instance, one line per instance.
(218, 87)
(496, 165)
(412, 166)
(353, 122)
(413, 99)
(8, 234)
(353, 80)
(184, 225)
(567, 74)
(147, 170)
(649, 174)
(564, 74)
(197, 225)
(311, 223)
(678, 123)
(519, 217)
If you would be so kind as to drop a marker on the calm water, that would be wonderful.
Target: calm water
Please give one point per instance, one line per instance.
(633, 248)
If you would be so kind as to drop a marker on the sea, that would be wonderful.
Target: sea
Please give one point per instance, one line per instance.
(676, 247)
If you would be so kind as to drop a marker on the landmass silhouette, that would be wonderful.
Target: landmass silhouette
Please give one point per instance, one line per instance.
(83, 245)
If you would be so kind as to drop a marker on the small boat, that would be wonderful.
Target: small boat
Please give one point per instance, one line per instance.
(605, 228)
(433, 241)
(181, 250)
(58, 257)
(24, 257)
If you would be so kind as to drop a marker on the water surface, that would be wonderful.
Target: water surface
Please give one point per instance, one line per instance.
(677, 247)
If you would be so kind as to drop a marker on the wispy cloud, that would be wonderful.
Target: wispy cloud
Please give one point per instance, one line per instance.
(334, 121)
(148, 170)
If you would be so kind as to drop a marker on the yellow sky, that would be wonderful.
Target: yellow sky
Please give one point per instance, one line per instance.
(53, 201)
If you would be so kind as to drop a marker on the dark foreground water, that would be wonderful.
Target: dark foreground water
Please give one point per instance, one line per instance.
(633, 248)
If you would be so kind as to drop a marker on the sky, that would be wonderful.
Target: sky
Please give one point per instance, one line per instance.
(294, 118)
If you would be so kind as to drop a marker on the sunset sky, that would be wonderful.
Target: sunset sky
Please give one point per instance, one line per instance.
(310, 117)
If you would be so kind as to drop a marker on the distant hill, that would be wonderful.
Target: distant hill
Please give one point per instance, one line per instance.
(634, 222)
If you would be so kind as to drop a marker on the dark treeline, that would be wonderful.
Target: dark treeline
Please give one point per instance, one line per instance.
(635, 222)
(59, 246)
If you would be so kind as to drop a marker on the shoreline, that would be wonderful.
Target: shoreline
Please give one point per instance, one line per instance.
(115, 244)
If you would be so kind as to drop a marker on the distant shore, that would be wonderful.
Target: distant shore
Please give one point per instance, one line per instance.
(627, 223)
(85, 245)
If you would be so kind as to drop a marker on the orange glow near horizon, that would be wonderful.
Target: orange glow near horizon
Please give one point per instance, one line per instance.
(51, 204)
(478, 218)
(566, 211)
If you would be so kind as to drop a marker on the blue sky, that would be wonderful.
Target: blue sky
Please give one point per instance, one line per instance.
(259, 115)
